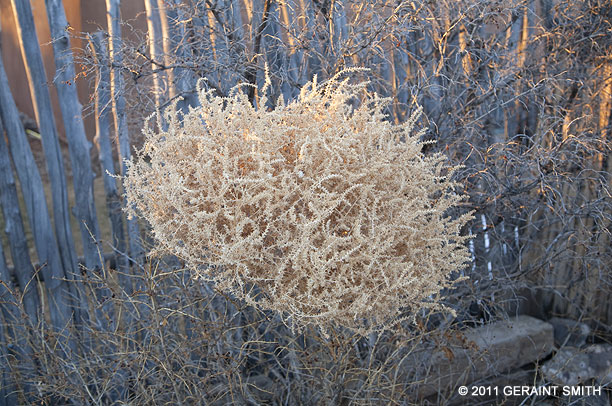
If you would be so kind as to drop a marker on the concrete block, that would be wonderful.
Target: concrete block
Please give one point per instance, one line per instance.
(569, 332)
(478, 353)
(573, 366)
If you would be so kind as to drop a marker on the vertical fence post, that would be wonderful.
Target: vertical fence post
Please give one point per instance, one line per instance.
(37, 80)
(250, 75)
(295, 74)
(11, 318)
(82, 174)
(16, 333)
(184, 79)
(156, 49)
(8, 396)
(315, 51)
(103, 113)
(119, 105)
(24, 271)
(58, 290)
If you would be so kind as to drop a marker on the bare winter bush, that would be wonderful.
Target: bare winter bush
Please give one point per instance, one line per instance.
(333, 212)
(191, 345)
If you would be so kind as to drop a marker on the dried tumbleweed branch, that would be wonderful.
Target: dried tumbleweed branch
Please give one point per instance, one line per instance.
(331, 212)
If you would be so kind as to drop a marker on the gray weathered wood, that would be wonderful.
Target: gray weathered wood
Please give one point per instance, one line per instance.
(119, 112)
(156, 49)
(16, 323)
(251, 72)
(339, 27)
(401, 68)
(171, 41)
(103, 115)
(58, 291)
(234, 14)
(7, 395)
(37, 80)
(78, 145)
(296, 75)
(13, 227)
(274, 54)
(183, 79)
(314, 53)
(10, 311)
(220, 37)
(7, 300)
(108, 257)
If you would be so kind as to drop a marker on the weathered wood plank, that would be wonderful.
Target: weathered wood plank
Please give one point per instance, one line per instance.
(37, 80)
(314, 53)
(296, 76)
(78, 145)
(7, 395)
(15, 333)
(275, 56)
(251, 72)
(103, 114)
(119, 112)
(7, 386)
(36, 207)
(174, 21)
(13, 223)
(108, 257)
(156, 50)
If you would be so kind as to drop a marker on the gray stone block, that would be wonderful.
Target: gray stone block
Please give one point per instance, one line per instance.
(479, 353)
(572, 366)
(569, 332)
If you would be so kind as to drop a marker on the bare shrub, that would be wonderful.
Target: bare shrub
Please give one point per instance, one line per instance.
(333, 212)
(192, 345)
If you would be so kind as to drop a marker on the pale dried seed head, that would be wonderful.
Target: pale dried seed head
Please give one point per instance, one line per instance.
(322, 207)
